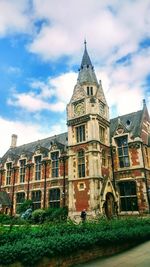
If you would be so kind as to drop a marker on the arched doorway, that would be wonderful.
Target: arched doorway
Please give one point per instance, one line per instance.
(109, 205)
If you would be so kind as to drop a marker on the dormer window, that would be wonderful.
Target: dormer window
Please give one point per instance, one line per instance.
(128, 123)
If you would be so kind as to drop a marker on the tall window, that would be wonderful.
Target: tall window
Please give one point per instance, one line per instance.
(22, 170)
(36, 199)
(89, 90)
(80, 133)
(55, 163)
(103, 157)
(81, 163)
(128, 197)
(38, 168)
(54, 198)
(20, 198)
(123, 156)
(8, 173)
(102, 134)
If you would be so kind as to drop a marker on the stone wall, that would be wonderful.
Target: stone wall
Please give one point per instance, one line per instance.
(78, 257)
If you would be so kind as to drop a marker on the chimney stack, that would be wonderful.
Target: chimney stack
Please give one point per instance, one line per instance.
(13, 141)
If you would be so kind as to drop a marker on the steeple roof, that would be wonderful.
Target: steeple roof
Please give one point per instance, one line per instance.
(86, 61)
(86, 71)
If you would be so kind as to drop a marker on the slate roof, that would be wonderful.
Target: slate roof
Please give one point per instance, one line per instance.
(61, 140)
(4, 199)
(86, 71)
(131, 121)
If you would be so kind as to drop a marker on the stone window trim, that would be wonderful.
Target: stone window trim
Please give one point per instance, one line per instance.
(81, 186)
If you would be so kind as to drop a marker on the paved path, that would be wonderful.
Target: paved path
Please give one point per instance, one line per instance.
(136, 257)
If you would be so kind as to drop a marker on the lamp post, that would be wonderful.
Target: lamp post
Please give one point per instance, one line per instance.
(63, 158)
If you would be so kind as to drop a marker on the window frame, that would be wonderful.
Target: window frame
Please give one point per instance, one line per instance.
(22, 170)
(55, 164)
(8, 173)
(80, 133)
(54, 198)
(102, 133)
(38, 167)
(123, 151)
(128, 196)
(21, 200)
(81, 163)
(36, 197)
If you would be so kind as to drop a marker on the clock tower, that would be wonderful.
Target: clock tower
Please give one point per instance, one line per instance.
(89, 168)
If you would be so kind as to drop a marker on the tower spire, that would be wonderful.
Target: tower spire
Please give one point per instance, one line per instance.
(86, 71)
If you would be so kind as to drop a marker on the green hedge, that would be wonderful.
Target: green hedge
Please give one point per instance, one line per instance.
(29, 244)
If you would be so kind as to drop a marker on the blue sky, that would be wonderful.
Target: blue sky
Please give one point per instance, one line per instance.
(41, 47)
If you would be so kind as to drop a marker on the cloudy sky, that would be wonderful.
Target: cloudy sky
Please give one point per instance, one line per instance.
(41, 47)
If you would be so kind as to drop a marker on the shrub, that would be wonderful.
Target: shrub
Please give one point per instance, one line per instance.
(56, 214)
(38, 216)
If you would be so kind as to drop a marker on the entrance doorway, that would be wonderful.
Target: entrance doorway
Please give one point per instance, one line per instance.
(109, 205)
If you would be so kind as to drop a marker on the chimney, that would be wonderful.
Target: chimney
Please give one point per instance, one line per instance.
(13, 141)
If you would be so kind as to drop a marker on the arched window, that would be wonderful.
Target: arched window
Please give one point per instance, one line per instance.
(81, 163)
(54, 198)
(128, 196)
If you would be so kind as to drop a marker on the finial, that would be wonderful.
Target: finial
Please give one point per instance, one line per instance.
(85, 42)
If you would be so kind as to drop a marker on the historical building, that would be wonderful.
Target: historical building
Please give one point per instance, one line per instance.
(100, 165)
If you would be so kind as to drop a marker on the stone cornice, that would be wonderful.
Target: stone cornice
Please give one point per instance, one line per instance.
(79, 120)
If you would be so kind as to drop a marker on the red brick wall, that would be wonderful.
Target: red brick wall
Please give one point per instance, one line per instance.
(82, 197)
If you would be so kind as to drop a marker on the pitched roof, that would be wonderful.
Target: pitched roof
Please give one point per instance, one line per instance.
(4, 199)
(131, 121)
(60, 139)
(86, 72)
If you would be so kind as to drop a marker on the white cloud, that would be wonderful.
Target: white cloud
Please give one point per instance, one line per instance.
(26, 132)
(14, 17)
(60, 88)
(110, 27)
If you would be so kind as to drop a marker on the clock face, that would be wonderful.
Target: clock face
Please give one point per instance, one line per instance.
(79, 109)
